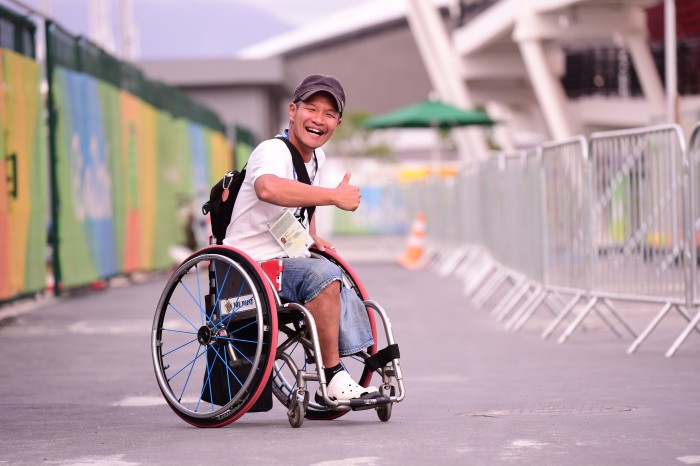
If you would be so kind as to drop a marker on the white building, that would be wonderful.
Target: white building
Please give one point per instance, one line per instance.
(547, 69)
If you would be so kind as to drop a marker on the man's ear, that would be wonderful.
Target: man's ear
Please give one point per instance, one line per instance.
(292, 110)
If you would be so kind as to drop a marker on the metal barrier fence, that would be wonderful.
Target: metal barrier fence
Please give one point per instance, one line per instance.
(566, 202)
(468, 197)
(598, 221)
(505, 244)
(692, 227)
(636, 213)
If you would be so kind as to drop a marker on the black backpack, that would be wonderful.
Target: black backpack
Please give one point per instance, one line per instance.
(220, 205)
(222, 197)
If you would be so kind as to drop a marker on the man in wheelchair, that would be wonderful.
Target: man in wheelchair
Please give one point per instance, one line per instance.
(273, 219)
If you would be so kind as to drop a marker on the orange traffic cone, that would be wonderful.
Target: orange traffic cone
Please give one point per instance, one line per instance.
(415, 246)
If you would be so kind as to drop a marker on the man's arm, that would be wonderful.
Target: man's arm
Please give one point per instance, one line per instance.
(289, 193)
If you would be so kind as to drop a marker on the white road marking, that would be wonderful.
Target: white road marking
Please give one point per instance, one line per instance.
(110, 327)
(144, 401)
(528, 444)
(690, 459)
(463, 449)
(115, 460)
(518, 448)
(439, 378)
(140, 401)
(359, 461)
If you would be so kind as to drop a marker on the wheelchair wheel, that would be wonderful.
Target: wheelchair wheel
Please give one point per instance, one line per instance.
(384, 412)
(295, 346)
(214, 336)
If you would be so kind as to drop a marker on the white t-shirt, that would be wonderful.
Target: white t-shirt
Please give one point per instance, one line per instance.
(249, 230)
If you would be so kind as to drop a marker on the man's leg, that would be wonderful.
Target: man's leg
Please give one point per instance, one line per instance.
(325, 308)
(316, 284)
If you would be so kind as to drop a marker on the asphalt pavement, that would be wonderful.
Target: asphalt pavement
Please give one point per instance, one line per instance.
(78, 388)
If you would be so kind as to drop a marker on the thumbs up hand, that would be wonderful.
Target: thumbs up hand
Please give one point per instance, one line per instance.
(347, 195)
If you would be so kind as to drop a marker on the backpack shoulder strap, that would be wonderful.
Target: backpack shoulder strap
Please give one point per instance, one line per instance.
(297, 160)
(302, 174)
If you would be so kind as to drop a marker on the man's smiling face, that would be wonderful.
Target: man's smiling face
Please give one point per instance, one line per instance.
(312, 122)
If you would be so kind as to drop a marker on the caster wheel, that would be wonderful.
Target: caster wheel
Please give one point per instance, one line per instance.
(384, 412)
(296, 415)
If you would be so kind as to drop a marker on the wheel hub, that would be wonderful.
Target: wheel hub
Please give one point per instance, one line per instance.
(204, 335)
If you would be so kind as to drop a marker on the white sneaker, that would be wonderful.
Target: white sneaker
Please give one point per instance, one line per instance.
(342, 387)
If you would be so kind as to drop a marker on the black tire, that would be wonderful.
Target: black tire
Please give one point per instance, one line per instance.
(384, 412)
(212, 366)
(293, 331)
(296, 416)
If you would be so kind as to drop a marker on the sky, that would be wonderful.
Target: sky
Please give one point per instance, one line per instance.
(194, 28)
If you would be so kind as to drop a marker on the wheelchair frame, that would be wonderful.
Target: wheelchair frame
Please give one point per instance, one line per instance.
(235, 344)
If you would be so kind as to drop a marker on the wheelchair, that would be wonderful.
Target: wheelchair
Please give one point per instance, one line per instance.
(223, 343)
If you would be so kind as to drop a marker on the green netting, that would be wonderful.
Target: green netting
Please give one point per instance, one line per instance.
(79, 54)
(245, 136)
(17, 33)
(245, 142)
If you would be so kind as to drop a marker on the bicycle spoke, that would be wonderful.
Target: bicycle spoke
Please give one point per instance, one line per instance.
(228, 369)
(187, 380)
(185, 318)
(219, 288)
(191, 363)
(181, 346)
(199, 305)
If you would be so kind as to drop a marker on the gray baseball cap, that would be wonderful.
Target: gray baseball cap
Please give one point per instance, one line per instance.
(314, 83)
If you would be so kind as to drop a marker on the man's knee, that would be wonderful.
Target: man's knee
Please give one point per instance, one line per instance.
(331, 291)
(326, 271)
(305, 279)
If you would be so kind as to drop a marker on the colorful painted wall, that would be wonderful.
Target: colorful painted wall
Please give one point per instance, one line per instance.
(102, 175)
(23, 177)
(125, 173)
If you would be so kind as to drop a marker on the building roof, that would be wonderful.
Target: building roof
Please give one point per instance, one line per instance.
(365, 15)
(215, 71)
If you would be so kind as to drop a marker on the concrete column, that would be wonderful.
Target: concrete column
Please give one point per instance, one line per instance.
(671, 60)
(440, 59)
(529, 33)
(427, 49)
(548, 89)
(127, 30)
(100, 26)
(646, 71)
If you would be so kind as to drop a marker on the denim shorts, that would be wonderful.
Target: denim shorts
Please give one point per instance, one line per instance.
(304, 278)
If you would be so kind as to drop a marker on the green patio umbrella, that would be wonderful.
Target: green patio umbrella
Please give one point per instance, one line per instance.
(429, 114)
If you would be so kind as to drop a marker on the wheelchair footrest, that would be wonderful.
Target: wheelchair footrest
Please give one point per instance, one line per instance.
(358, 404)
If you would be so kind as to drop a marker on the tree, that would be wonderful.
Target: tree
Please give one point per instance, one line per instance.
(351, 140)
